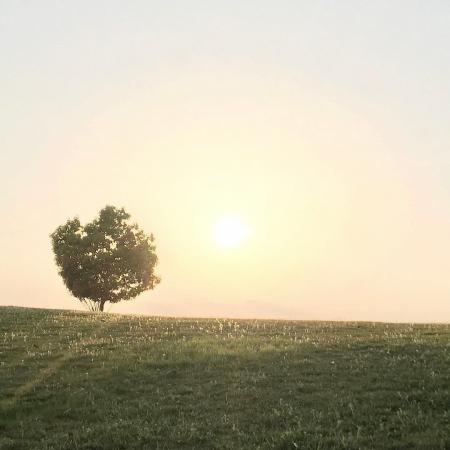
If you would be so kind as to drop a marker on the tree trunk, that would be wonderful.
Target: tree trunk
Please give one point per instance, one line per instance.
(102, 305)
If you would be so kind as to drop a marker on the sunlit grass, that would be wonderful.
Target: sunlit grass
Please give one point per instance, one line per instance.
(83, 380)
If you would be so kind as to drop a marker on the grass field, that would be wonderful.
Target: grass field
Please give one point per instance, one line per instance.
(71, 380)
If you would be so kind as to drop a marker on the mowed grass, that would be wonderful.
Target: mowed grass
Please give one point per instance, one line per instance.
(72, 380)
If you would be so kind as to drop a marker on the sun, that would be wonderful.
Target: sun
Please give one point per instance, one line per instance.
(230, 231)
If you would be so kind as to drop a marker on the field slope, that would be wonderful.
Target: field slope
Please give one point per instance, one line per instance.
(71, 380)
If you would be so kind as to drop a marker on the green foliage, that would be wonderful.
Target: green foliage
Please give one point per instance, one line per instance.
(73, 380)
(108, 259)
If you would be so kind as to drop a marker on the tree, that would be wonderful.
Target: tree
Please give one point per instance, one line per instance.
(108, 259)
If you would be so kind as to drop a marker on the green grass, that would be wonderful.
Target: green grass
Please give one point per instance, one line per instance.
(71, 380)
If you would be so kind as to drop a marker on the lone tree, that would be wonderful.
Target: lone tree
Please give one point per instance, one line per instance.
(109, 259)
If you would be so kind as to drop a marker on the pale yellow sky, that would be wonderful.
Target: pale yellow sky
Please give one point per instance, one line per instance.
(324, 131)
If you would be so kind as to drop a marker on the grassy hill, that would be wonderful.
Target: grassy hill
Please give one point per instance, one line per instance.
(71, 380)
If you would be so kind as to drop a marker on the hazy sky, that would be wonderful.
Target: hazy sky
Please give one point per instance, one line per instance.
(324, 125)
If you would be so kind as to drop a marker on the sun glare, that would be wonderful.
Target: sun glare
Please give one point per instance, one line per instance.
(230, 231)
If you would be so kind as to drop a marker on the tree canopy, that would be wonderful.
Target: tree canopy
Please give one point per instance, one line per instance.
(108, 259)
